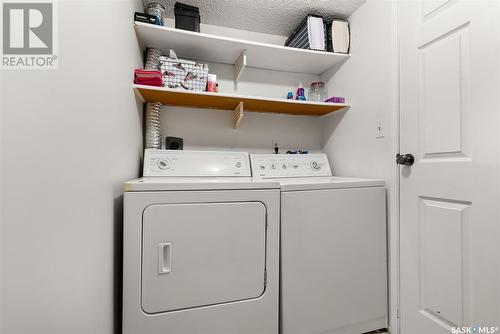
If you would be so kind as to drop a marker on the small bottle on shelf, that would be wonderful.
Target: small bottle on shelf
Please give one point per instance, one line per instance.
(212, 83)
(300, 95)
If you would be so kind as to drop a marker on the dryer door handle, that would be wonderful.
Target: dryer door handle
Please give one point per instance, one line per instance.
(164, 258)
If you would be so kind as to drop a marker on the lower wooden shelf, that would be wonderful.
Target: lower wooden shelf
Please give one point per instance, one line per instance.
(185, 98)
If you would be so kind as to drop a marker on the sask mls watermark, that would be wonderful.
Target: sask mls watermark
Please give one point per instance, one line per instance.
(474, 330)
(29, 35)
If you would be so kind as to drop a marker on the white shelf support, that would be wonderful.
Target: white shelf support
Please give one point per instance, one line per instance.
(238, 115)
(240, 65)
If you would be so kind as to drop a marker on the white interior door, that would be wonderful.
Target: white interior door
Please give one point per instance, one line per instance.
(449, 218)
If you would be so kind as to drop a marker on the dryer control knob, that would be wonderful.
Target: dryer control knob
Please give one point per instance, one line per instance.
(163, 164)
(315, 165)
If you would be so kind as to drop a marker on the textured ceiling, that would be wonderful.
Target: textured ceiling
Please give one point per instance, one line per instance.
(277, 17)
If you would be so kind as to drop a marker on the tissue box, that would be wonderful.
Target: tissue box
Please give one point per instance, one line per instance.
(183, 74)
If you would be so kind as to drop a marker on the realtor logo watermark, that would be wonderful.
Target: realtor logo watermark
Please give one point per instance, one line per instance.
(28, 38)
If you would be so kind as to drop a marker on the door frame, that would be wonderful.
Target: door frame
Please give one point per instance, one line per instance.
(394, 212)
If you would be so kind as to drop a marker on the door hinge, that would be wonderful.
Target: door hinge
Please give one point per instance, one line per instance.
(397, 314)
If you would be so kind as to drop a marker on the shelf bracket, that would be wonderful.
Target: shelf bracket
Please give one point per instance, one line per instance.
(238, 115)
(240, 65)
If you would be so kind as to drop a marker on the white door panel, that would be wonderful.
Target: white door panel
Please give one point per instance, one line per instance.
(202, 254)
(440, 251)
(442, 82)
(449, 208)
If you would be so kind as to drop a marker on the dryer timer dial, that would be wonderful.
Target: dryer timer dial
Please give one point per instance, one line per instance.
(315, 165)
(163, 164)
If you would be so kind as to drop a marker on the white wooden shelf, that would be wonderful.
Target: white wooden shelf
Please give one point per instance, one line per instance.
(234, 102)
(217, 49)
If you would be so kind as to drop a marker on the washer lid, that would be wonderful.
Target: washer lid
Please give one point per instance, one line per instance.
(328, 182)
(198, 183)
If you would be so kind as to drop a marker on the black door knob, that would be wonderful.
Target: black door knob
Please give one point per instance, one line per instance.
(405, 159)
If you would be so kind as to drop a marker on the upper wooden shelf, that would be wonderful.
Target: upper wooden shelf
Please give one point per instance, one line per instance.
(235, 102)
(218, 49)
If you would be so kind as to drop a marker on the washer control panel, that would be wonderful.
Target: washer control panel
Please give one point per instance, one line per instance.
(289, 165)
(195, 163)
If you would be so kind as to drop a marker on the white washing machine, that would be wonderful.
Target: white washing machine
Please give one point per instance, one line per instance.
(333, 246)
(201, 246)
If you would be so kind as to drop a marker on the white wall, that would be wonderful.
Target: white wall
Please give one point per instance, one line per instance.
(213, 130)
(235, 33)
(69, 138)
(369, 80)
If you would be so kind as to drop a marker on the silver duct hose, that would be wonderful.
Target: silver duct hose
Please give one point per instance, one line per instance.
(153, 60)
(152, 117)
(152, 122)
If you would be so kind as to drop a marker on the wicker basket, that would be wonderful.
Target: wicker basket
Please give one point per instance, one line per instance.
(183, 74)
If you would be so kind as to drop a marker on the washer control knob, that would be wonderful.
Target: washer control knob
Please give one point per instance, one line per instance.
(315, 165)
(163, 164)
(238, 164)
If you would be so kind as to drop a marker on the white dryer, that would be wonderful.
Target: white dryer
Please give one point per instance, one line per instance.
(333, 246)
(201, 246)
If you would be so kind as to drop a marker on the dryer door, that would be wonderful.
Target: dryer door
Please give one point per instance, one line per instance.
(201, 254)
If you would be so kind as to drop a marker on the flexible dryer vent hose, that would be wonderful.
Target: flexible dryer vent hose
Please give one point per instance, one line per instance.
(152, 118)
(152, 122)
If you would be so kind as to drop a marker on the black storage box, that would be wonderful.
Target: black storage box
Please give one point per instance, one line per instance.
(187, 17)
(146, 18)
